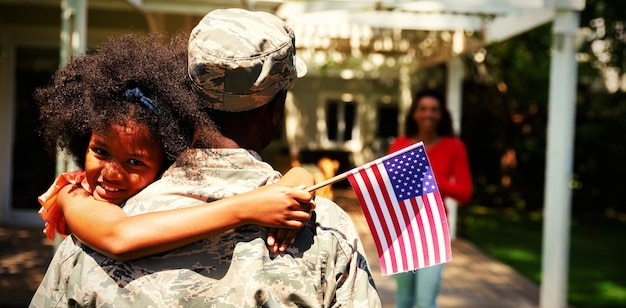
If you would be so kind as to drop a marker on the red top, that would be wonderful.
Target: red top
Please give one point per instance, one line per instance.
(448, 159)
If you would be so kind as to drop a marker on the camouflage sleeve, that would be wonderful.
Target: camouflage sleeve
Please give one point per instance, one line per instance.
(354, 282)
(53, 290)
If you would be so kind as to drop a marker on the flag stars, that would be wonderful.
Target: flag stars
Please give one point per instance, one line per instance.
(408, 173)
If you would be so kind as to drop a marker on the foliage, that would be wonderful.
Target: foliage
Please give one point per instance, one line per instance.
(504, 125)
(505, 115)
(505, 111)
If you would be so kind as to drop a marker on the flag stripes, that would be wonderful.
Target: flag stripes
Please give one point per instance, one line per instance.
(410, 233)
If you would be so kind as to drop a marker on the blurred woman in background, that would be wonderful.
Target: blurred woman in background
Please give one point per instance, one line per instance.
(429, 121)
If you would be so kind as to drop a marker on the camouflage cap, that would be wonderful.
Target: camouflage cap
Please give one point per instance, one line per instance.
(239, 60)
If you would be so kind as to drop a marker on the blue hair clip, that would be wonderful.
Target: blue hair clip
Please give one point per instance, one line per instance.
(144, 100)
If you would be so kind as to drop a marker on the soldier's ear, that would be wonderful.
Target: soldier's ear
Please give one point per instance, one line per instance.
(279, 108)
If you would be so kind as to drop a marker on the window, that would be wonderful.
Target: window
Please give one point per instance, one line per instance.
(340, 120)
(387, 117)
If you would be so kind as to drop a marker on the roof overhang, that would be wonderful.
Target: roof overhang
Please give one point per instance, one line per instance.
(431, 31)
(497, 19)
(201, 7)
(376, 35)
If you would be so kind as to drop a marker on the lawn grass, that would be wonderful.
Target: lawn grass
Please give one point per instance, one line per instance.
(597, 275)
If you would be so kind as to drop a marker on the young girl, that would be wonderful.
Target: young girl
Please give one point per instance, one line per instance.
(124, 113)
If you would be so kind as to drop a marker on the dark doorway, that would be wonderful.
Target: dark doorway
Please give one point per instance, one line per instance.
(33, 167)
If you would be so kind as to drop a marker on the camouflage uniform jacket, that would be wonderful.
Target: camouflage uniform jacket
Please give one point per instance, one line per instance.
(326, 267)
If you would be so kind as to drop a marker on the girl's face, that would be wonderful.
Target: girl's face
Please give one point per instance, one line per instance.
(122, 161)
(427, 114)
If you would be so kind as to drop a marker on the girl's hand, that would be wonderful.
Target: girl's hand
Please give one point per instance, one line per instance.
(276, 206)
(284, 210)
(278, 239)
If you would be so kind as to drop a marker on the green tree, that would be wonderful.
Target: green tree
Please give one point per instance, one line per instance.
(505, 115)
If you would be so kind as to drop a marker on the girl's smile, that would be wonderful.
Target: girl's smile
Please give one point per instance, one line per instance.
(122, 161)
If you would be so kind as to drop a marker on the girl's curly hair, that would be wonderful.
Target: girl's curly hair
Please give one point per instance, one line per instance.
(94, 91)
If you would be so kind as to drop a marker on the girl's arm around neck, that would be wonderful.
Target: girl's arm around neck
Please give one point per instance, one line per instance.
(106, 228)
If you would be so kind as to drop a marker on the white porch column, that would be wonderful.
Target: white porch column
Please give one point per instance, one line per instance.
(454, 89)
(73, 42)
(406, 97)
(73, 28)
(559, 160)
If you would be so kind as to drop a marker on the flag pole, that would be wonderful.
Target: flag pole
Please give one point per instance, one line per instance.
(334, 179)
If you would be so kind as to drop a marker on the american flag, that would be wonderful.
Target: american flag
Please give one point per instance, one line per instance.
(404, 211)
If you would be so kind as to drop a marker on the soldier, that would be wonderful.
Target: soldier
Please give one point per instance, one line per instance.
(242, 64)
